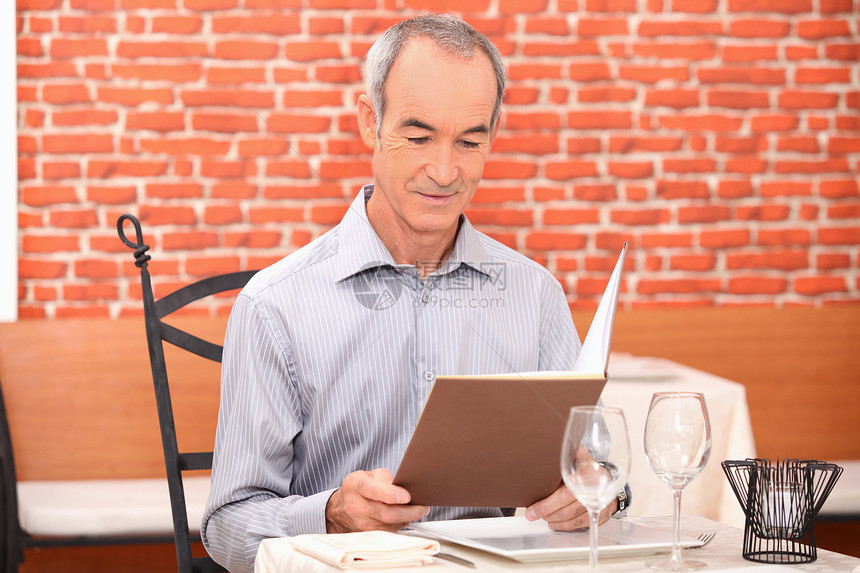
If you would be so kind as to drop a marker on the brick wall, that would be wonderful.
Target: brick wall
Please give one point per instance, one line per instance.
(721, 137)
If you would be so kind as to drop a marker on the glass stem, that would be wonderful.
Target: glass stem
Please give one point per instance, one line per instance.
(676, 533)
(593, 517)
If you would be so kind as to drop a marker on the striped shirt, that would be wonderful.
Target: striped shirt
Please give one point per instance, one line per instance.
(330, 354)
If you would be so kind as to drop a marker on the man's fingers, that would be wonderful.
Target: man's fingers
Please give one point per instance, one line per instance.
(369, 486)
(551, 504)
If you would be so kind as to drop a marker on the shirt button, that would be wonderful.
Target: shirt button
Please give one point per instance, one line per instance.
(428, 376)
(425, 297)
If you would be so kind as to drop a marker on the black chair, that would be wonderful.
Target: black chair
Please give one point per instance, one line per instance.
(158, 332)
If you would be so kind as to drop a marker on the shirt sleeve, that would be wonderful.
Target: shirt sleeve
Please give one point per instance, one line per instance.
(259, 417)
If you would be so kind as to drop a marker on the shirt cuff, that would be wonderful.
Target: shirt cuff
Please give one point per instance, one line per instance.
(308, 514)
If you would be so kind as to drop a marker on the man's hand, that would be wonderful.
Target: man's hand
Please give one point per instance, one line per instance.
(368, 501)
(563, 513)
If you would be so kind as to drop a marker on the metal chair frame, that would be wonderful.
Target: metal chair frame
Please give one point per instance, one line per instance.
(158, 332)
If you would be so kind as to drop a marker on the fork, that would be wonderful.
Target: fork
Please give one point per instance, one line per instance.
(705, 538)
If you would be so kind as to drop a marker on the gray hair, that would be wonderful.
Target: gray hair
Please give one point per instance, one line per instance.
(448, 33)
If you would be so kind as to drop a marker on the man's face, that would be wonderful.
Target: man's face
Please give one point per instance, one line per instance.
(434, 138)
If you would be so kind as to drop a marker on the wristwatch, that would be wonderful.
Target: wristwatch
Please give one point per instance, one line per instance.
(623, 500)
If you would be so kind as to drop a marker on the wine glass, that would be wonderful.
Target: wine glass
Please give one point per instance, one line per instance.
(595, 462)
(677, 444)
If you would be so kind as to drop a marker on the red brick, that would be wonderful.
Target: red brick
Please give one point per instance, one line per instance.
(667, 240)
(667, 189)
(847, 52)
(844, 211)
(724, 238)
(598, 193)
(635, 217)
(774, 122)
(311, 51)
(785, 260)
(47, 70)
(253, 240)
(561, 49)
(132, 97)
(510, 169)
(62, 94)
(832, 261)
(167, 215)
(185, 146)
(836, 6)
(748, 285)
(605, 94)
(228, 169)
(547, 25)
(567, 170)
(532, 144)
(94, 291)
(74, 219)
(80, 117)
(334, 170)
(173, 190)
(276, 214)
(630, 169)
(94, 25)
(798, 144)
(348, 4)
(669, 50)
(228, 98)
(271, 146)
(534, 71)
(520, 95)
(812, 167)
(160, 121)
(782, 237)
(839, 189)
(177, 24)
(703, 214)
(741, 75)
(31, 243)
(601, 120)
(677, 286)
(189, 241)
(78, 143)
(823, 29)
(740, 145)
(820, 76)
(235, 75)
(130, 168)
(550, 241)
(593, 27)
(675, 98)
(112, 195)
(312, 98)
(702, 122)
(775, 6)
(656, 28)
(692, 262)
(273, 23)
(796, 99)
(839, 236)
(653, 74)
(224, 122)
(179, 73)
(294, 169)
(41, 269)
(759, 28)
(689, 166)
(736, 99)
(297, 123)
(843, 145)
(818, 285)
(765, 212)
(67, 48)
(96, 269)
(785, 188)
(570, 216)
(338, 73)
(61, 170)
(531, 121)
(749, 165)
(495, 195)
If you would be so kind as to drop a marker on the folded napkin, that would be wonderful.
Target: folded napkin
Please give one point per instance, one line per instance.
(363, 550)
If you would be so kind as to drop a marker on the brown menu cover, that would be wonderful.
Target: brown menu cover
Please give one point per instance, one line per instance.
(493, 440)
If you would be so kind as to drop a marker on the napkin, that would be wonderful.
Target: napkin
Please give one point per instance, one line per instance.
(363, 550)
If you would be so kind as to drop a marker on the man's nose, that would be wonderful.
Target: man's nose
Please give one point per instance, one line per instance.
(441, 166)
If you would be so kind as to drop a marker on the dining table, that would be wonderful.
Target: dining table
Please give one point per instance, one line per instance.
(722, 553)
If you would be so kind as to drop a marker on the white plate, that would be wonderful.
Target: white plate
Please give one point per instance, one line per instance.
(533, 541)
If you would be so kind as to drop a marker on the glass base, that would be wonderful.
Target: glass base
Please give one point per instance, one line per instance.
(669, 564)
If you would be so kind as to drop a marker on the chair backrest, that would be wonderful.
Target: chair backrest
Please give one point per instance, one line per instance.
(158, 332)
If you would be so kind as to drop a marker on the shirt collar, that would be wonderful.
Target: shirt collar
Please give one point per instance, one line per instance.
(360, 248)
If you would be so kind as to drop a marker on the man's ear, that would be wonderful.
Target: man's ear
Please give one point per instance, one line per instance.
(367, 121)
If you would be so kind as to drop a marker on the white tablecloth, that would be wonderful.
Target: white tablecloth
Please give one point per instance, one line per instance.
(632, 381)
(721, 554)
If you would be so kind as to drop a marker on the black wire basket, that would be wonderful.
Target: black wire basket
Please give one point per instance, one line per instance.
(780, 501)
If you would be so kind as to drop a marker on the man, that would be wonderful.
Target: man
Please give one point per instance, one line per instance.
(331, 352)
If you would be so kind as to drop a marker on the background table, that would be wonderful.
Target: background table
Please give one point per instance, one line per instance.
(632, 381)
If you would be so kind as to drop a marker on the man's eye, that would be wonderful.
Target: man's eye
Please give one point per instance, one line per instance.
(418, 140)
(470, 144)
